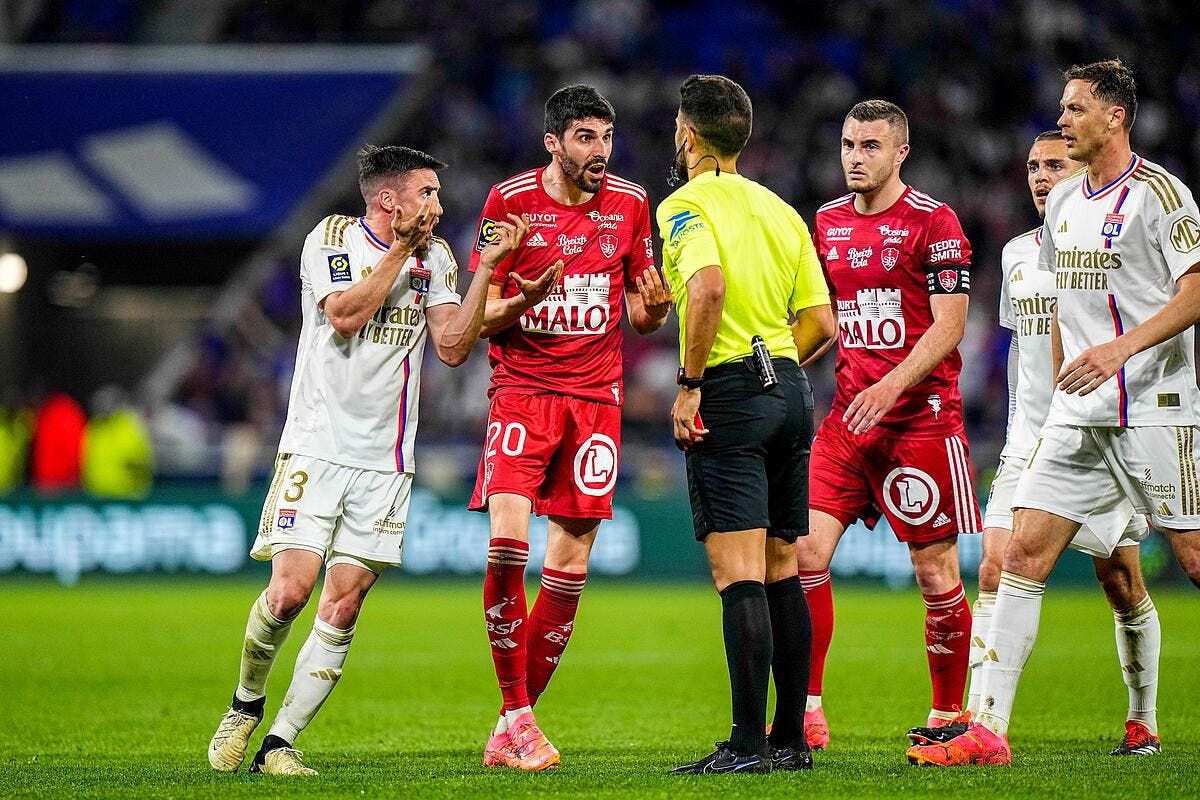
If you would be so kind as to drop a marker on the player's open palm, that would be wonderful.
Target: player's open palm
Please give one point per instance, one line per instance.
(537, 290)
(656, 295)
(1093, 367)
(871, 405)
(413, 231)
(506, 236)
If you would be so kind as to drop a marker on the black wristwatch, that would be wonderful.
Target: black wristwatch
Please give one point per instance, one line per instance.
(688, 383)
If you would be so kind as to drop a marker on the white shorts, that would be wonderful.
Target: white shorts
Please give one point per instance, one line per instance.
(343, 514)
(1086, 474)
(999, 513)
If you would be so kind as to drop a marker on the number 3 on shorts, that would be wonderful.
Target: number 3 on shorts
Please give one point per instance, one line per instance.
(298, 478)
(512, 443)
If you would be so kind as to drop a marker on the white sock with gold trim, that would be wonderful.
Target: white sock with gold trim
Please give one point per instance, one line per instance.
(1013, 633)
(318, 669)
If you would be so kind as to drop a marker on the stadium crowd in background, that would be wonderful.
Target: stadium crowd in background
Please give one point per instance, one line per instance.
(979, 80)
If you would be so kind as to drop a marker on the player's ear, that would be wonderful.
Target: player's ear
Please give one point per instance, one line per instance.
(552, 143)
(387, 200)
(901, 154)
(691, 138)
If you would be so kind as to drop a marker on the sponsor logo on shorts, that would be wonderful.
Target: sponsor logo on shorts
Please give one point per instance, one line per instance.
(596, 465)
(388, 526)
(1159, 491)
(911, 494)
(286, 519)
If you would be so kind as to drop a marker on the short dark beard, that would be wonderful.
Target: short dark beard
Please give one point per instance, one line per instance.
(577, 173)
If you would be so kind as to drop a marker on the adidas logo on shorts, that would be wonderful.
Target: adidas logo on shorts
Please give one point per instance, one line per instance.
(941, 520)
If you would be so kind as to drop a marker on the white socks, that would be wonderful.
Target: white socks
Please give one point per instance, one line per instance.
(981, 623)
(813, 702)
(1138, 641)
(265, 634)
(318, 668)
(1010, 641)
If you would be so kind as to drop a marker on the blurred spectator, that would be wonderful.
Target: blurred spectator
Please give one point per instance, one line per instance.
(15, 430)
(57, 444)
(117, 459)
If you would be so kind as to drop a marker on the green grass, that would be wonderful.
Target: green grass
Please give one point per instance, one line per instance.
(112, 689)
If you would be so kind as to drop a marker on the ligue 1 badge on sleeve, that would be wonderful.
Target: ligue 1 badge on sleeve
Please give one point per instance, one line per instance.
(339, 268)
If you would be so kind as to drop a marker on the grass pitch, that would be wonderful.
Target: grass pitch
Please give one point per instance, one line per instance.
(112, 689)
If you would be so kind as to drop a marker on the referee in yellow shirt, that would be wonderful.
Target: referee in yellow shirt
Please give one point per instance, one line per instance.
(753, 305)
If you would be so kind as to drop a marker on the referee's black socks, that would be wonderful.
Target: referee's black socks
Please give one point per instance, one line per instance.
(791, 630)
(746, 620)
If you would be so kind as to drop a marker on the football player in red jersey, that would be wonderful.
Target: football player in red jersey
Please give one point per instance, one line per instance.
(554, 428)
(893, 445)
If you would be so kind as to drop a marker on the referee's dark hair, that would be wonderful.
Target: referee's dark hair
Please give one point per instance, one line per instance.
(377, 165)
(575, 102)
(720, 111)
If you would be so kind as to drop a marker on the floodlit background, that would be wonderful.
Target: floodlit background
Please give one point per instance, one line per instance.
(161, 161)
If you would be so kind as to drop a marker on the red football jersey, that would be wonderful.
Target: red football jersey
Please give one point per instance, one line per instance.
(570, 343)
(882, 268)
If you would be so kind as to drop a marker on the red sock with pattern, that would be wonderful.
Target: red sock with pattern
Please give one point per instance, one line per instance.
(550, 626)
(505, 611)
(948, 645)
(818, 590)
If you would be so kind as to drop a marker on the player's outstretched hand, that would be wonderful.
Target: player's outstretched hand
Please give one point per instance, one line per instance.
(656, 295)
(1093, 367)
(536, 291)
(870, 406)
(685, 419)
(505, 238)
(412, 232)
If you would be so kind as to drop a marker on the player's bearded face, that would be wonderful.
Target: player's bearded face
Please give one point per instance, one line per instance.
(869, 154)
(583, 153)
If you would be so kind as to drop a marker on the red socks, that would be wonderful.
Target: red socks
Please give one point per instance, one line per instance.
(550, 626)
(818, 590)
(948, 644)
(505, 611)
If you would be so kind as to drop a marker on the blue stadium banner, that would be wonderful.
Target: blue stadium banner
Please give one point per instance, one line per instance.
(133, 143)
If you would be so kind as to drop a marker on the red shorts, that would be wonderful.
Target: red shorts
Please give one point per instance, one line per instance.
(560, 452)
(924, 487)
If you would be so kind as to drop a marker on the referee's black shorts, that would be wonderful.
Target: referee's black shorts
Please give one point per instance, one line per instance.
(751, 470)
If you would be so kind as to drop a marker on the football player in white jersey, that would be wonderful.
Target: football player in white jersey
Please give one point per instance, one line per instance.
(1122, 239)
(1027, 298)
(372, 289)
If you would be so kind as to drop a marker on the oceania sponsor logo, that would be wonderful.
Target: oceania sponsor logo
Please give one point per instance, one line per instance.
(605, 221)
(838, 234)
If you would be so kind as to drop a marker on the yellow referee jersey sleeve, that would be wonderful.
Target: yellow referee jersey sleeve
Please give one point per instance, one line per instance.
(763, 249)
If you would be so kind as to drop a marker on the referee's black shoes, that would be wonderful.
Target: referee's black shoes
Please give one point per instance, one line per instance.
(725, 760)
(794, 757)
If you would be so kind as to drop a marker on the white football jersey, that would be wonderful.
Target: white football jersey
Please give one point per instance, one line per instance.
(1026, 308)
(1116, 252)
(354, 401)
